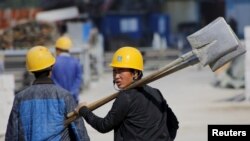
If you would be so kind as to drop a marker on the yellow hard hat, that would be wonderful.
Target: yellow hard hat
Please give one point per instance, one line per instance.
(127, 57)
(39, 58)
(64, 43)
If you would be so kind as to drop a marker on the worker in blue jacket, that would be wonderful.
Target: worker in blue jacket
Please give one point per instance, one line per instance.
(67, 71)
(39, 111)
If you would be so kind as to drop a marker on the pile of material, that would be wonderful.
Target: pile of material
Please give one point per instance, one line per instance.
(28, 34)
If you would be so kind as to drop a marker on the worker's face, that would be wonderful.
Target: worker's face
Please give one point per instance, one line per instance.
(122, 77)
(57, 52)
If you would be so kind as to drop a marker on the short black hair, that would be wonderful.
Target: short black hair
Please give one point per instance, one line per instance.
(62, 50)
(42, 73)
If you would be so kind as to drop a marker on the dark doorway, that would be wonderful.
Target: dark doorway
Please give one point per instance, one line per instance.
(210, 10)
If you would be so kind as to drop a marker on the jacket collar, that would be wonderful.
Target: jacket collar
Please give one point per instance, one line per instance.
(64, 54)
(43, 80)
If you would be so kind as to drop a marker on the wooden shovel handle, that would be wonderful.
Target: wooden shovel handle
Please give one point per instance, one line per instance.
(175, 65)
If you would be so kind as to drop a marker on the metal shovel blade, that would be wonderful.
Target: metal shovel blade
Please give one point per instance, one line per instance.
(213, 41)
(228, 57)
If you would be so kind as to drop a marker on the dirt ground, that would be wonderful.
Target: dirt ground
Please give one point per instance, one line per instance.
(191, 95)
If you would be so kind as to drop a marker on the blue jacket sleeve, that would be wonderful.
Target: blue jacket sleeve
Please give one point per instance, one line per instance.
(13, 124)
(77, 127)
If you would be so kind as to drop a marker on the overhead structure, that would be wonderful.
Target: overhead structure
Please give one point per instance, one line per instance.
(58, 14)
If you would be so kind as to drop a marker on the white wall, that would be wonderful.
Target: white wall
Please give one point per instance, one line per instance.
(7, 86)
(247, 62)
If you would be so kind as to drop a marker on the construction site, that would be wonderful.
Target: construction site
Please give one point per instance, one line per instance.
(202, 86)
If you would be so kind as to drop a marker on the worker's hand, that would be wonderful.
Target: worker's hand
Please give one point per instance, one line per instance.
(79, 106)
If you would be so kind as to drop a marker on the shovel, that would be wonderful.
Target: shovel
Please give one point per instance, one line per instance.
(214, 45)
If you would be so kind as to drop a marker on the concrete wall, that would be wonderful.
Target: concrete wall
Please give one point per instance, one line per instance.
(7, 86)
(182, 11)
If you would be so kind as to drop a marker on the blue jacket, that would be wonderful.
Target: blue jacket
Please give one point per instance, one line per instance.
(67, 73)
(39, 112)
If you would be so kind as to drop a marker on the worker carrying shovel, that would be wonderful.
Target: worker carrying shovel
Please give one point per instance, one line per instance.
(140, 113)
(213, 46)
(39, 111)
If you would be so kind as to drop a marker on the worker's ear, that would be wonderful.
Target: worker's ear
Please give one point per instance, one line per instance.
(136, 74)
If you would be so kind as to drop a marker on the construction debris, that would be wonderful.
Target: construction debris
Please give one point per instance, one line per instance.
(28, 34)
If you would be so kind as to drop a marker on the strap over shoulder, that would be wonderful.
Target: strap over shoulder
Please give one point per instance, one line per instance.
(172, 121)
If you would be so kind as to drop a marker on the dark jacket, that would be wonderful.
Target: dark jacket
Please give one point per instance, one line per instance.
(39, 112)
(138, 114)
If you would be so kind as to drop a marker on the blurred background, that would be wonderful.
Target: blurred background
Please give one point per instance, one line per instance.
(99, 27)
(132, 21)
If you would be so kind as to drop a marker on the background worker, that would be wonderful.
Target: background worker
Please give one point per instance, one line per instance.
(141, 113)
(39, 111)
(67, 71)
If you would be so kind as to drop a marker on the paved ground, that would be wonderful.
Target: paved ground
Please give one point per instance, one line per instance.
(192, 97)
